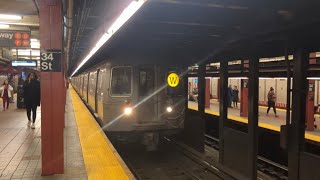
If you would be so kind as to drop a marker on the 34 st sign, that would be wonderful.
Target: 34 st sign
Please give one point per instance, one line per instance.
(50, 61)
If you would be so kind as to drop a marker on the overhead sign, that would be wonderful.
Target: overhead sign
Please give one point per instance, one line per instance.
(14, 38)
(50, 60)
(24, 63)
(173, 80)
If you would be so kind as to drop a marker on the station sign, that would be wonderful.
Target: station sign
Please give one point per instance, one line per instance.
(14, 38)
(173, 80)
(50, 60)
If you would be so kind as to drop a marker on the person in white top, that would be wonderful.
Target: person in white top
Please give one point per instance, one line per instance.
(6, 94)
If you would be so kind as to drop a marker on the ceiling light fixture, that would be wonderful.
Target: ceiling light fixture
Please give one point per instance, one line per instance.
(11, 17)
(127, 13)
(4, 26)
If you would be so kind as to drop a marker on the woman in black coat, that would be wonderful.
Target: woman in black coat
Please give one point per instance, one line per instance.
(235, 96)
(31, 92)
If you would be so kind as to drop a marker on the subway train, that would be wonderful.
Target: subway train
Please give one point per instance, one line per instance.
(279, 85)
(133, 100)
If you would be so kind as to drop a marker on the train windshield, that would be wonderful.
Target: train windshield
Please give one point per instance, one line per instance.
(121, 81)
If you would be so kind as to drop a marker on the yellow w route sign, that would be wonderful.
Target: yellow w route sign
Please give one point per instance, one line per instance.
(173, 80)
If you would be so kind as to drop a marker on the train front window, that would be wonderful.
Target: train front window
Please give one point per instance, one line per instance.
(121, 81)
(146, 81)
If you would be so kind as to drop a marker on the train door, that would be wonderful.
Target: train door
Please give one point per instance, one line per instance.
(96, 92)
(85, 88)
(81, 85)
(92, 89)
(101, 83)
(147, 110)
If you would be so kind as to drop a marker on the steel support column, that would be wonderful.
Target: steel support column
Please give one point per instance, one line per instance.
(223, 106)
(253, 98)
(299, 92)
(52, 90)
(201, 99)
(288, 107)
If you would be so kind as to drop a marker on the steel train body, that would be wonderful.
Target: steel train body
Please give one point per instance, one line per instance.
(279, 85)
(132, 98)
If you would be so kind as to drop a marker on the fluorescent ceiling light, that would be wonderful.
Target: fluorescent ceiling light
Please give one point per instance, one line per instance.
(11, 17)
(19, 23)
(26, 52)
(4, 26)
(127, 13)
(35, 44)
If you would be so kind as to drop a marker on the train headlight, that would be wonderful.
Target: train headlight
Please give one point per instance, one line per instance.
(127, 111)
(169, 109)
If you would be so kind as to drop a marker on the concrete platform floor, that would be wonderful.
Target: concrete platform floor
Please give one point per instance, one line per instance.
(20, 146)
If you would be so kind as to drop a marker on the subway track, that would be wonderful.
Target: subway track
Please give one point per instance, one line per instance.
(264, 165)
(169, 161)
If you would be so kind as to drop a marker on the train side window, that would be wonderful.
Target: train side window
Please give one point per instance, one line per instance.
(146, 82)
(121, 81)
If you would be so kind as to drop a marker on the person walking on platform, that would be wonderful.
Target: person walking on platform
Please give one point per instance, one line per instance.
(235, 96)
(230, 96)
(272, 101)
(5, 94)
(31, 89)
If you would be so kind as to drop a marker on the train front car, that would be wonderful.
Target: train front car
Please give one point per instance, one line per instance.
(144, 103)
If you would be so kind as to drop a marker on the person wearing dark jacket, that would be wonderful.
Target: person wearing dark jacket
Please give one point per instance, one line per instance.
(235, 96)
(31, 89)
(230, 96)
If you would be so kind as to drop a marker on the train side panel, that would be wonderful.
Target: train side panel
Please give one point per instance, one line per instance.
(81, 85)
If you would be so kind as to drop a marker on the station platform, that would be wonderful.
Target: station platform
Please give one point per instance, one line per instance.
(88, 152)
(268, 122)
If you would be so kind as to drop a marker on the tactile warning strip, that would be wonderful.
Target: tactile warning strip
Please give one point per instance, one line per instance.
(100, 158)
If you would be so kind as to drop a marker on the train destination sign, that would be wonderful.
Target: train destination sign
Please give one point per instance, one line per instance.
(50, 60)
(14, 38)
(173, 80)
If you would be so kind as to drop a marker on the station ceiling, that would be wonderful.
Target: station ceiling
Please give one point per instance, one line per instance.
(184, 32)
(25, 8)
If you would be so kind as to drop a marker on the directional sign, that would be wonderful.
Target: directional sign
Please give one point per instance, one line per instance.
(50, 61)
(10, 38)
(173, 80)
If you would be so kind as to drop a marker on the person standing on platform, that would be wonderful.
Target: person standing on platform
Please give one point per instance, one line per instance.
(230, 96)
(235, 96)
(272, 101)
(5, 94)
(31, 94)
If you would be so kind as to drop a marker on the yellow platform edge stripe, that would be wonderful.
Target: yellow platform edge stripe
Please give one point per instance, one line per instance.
(100, 157)
(263, 125)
